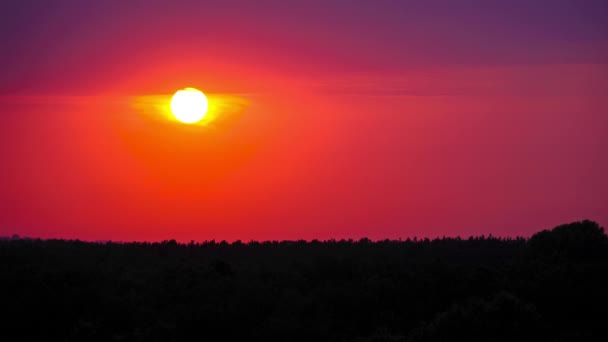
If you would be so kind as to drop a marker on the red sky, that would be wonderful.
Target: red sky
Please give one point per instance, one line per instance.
(383, 119)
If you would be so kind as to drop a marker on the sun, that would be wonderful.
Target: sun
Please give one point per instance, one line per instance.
(189, 105)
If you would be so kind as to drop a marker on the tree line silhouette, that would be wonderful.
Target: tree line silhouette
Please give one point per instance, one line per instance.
(550, 287)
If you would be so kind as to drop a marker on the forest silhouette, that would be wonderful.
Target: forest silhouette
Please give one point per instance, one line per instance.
(550, 287)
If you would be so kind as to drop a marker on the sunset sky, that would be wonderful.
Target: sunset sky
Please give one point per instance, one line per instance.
(332, 119)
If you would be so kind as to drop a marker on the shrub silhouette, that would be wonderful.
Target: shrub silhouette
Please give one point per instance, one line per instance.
(502, 317)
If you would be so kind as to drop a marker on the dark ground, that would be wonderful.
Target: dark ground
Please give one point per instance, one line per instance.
(552, 287)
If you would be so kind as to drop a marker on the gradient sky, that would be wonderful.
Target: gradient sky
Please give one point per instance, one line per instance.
(340, 119)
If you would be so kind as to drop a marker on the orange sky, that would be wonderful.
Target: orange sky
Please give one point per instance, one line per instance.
(390, 124)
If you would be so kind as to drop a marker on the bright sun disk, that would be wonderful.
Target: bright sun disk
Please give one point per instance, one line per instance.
(189, 105)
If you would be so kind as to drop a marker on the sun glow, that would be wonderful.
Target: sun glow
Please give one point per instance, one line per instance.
(189, 105)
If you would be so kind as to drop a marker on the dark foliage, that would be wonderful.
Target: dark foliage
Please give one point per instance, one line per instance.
(552, 287)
